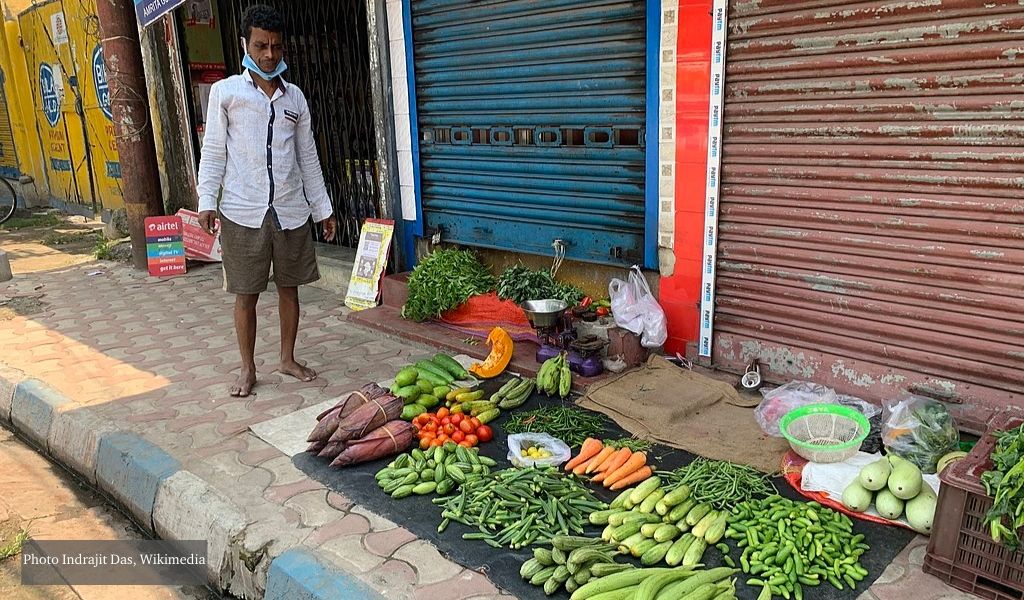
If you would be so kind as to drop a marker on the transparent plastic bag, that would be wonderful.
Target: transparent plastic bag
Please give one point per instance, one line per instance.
(783, 399)
(560, 451)
(636, 309)
(920, 430)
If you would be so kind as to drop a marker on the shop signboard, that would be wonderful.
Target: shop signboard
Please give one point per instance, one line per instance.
(165, 249)
(148, 11)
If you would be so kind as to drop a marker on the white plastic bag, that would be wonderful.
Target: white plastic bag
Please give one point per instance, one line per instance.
(560, 452)
(783, 399)
(636, 309)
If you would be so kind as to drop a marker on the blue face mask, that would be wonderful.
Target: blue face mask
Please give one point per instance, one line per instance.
(250, 64)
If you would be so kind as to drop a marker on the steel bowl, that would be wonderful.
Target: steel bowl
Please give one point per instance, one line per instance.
(544, 313)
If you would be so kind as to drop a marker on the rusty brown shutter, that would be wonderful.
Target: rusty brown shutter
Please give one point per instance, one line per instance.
(872, 208)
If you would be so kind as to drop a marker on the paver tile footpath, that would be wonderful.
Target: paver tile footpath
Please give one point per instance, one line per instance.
(154, 357)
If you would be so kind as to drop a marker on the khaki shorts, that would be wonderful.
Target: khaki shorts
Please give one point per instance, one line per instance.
(248, 254)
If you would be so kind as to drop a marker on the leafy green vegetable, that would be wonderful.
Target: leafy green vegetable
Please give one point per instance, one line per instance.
(1005, 483)
(520, 284)
(443, 281)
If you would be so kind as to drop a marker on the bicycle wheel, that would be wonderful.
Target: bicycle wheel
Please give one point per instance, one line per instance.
(8, 200)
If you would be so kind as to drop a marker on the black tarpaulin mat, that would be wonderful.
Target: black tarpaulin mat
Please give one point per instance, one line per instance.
(420, 516)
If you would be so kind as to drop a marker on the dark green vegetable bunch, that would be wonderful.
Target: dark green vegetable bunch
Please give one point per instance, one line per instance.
(520, 284)
(443, 281)
(1005, 483)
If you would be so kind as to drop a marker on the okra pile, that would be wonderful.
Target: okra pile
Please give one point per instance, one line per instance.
(520, 507)
(788, 545)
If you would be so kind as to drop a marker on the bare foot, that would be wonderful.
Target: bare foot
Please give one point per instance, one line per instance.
(243, 385)
(298, 371)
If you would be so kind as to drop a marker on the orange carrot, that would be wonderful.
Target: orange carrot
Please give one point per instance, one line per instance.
(637, 460)
(614, 458)
(635, 477)
(600, 458)
(588, 450)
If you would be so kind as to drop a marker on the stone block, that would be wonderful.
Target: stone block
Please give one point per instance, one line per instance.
(33, 408)
(298, 574)
(130, 469)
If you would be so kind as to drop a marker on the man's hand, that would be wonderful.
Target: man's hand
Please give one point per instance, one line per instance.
(329, 227)
(208, 221)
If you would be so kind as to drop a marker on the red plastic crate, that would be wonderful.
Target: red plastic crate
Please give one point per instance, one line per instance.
(961, 551)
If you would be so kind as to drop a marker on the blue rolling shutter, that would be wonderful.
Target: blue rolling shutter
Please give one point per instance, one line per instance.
(531, 124)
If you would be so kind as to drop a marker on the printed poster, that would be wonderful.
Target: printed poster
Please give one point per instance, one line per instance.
(371, 260)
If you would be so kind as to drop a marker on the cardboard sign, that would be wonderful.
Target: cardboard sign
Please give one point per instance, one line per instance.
(165, 251)
(199, 245)
(371, 260)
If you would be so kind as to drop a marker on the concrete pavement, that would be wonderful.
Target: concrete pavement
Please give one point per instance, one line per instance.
(124, 378)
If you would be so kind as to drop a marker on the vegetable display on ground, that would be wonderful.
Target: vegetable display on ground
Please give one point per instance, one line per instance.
(900, 488)
(720, 483)
(439, 470)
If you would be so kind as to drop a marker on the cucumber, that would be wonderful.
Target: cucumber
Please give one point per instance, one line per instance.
(655, 554)
(666, 533)
(427, 487)
(428, 400)
(694, 553)
(429, 367)
(677, 496)
(620, 499)
(652, 499)
(675, 554)
(701, 528)
(406, 376)
(432, 377)
(680, 511)
(649, 529)
(425, 386)
(645, 489)
(451, 366)
(694, 516)
(640, 549)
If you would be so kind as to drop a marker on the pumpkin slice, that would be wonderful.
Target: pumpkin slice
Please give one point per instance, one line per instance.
(501, 354)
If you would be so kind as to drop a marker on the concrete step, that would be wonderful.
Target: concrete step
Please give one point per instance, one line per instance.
(395, 290)
(335, 264)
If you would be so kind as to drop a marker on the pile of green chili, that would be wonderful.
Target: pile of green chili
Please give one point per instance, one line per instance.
(720, 483)
(571, 425)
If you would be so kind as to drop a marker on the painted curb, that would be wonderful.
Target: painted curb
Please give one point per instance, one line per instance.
(75, 437)
(130, 469)
(299, 574)
(9, 380)
(188, 508)
(33, 408)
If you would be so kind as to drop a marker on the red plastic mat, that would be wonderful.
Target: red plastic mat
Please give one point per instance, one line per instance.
(480, 314)
(792, 471)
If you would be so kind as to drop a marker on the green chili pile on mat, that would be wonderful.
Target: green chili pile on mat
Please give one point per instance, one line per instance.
(1005, 484)
(519, 507)
(720, 483)
(443, 281)
(571, 425)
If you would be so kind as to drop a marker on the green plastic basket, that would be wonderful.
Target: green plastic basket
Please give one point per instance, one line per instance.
(825, 433)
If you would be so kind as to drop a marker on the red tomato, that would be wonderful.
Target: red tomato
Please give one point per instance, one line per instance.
(434, 443)
(465, 444)
(443, 438)
(457, 418)
(431, 426)
(449, 428)
(476, 422)
(485, 433)
(472, 439)
(458, 437)
(442, 412)
(425, 442)
(466, 427)
(446, 420)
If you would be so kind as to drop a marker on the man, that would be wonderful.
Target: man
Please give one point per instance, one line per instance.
(259, 152)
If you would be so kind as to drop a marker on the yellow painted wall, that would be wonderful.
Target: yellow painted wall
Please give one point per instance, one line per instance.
(70, 102)
(8, 147)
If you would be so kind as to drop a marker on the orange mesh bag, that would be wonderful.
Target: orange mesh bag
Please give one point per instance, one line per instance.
(480, 314)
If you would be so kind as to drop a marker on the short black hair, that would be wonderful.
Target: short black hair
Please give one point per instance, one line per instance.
(261, 16)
